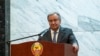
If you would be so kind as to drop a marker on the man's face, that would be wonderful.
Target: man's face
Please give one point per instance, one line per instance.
(54, 21)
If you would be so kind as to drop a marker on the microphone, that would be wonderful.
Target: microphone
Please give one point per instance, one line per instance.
(43, 32)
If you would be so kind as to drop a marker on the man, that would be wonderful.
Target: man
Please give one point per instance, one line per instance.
(58, 34)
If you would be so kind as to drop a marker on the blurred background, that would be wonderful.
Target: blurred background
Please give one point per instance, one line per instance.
(29, 17)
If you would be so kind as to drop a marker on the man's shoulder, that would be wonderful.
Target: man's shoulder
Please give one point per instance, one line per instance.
(65, 28)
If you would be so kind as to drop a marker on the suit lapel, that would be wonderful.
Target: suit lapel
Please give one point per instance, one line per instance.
(60, 35)
(49, 35)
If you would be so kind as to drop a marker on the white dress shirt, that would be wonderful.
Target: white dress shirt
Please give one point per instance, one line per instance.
(52, 34)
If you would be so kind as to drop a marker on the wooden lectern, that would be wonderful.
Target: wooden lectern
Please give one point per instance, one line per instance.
(49, 49)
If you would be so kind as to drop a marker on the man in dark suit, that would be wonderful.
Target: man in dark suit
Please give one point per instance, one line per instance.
(58, 34)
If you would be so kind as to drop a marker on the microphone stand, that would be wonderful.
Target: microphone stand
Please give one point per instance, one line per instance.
(20, 38)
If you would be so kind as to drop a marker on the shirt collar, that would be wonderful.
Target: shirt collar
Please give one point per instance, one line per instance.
(53, 31)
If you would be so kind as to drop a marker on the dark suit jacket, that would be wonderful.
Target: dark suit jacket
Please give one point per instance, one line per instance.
(65, 36)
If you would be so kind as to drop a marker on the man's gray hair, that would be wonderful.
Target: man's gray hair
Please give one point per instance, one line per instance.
(53, 14)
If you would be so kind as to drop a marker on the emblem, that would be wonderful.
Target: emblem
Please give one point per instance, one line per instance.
(37, 49)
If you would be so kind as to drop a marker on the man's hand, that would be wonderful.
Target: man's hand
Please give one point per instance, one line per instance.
(75, 48)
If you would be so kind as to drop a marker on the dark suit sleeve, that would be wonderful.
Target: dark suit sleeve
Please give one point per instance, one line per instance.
(72, 39)
(39, 39)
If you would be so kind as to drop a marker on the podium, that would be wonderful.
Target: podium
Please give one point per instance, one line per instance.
(49, 49)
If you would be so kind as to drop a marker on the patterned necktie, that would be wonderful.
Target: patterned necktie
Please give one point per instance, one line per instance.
(54, 37)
